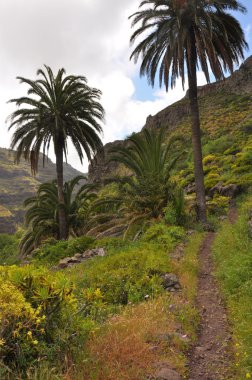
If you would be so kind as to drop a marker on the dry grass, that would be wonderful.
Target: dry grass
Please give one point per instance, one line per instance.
(129, 344)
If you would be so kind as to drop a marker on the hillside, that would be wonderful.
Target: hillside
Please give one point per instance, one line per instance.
(226, 122)
(17, 184)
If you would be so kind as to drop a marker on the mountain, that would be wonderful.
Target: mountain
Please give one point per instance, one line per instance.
(226, 123)
(17, 184)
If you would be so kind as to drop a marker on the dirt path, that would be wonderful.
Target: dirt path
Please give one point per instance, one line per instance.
(210, 358)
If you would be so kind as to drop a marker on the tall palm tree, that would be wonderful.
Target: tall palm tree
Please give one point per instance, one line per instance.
(178, 37)
(42, 212)
(57, 108)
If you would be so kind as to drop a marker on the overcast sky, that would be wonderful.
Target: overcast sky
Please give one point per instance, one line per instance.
(87, 37)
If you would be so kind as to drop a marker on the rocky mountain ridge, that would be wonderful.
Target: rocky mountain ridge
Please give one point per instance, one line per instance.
(177, 114)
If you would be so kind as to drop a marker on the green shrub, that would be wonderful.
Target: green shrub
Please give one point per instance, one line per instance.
(126, 275)
(164, 235)
(39, 317)
(52, 251)
(110, 242)
(218, 205)
(9, 249)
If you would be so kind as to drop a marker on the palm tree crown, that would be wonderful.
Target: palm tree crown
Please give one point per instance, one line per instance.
(60, 107)
(175, 27)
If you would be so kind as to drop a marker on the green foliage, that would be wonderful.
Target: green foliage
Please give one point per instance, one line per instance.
(9, 249)
(218, 145)
(175, 212)
(52, 251)
(110, 243)
(165, 236)
(62, 106)
(233, 257)
(39, 316)
(126, 275)
(42, 212)
(218, 205)
(141, 196)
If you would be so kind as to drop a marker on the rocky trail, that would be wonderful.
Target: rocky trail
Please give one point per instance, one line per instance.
(211, 356)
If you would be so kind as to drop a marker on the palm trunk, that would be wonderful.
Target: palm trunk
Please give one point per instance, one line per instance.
(60, 183)
(196, 133)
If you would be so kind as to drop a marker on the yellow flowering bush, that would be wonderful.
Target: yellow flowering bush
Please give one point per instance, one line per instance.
(38, 315)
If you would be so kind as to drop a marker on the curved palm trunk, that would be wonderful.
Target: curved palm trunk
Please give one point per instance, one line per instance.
(196, 133)
(60, 183)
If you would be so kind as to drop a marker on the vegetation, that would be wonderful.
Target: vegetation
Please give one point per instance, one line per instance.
(232, 252)
(141, 196)
(62, 108)
(197, 27)
(42, 212)
(116, 316)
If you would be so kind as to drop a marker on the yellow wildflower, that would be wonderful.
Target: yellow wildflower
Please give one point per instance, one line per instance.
(248, 376)
(2, 341)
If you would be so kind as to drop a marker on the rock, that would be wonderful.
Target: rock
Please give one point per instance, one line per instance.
(191, 188)
(170, 282)
(101, 252)
(231, 190)
(178, 253)
(167, 374)
(64, 262)
(222, 218)
(73, 260)
(87, 254)
(78, 256)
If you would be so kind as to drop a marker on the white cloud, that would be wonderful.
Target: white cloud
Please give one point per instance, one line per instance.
(248, 31)
(89, 37)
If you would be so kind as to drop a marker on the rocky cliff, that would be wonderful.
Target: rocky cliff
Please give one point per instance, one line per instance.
(177, 115)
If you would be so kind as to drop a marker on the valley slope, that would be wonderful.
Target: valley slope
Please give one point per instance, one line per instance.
(17, 184)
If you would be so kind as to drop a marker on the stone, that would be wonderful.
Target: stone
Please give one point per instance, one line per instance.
(231, 190)
(78, 256)
(64, 262)
(101, 252)
(167, 374)
(170, 281)
(73, 260)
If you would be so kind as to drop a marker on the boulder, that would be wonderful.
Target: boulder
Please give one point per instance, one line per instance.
(101, 252)
(64, 262)
(170, 282)
(231, 190)
(78, 256)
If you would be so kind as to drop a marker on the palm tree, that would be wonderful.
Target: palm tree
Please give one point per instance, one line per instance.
(57, 108)
(42, 212)
(142, 195)
(178, 37)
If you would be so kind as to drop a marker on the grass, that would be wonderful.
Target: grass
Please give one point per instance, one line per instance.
(128, 345)
(233, 257)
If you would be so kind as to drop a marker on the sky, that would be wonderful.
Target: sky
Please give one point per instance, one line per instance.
(86, 37)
